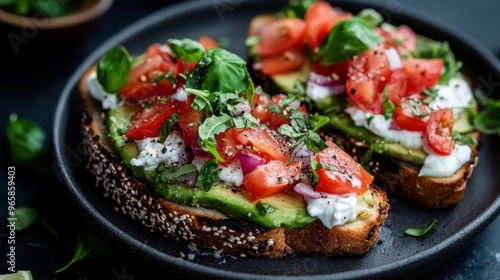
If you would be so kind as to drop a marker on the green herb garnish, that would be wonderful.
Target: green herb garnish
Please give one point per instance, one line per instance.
(295, 9)
(371, 17)
(347, 39)
(26, 140)
(488, 119)
(388, 105)
(208, 176)
(113, 70)
(264, 208)
(428, 48)
(417, 232)
(79, 253)
(464, 139)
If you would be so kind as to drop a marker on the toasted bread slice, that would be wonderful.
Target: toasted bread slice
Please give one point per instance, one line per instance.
(398, 177)
(207, 228)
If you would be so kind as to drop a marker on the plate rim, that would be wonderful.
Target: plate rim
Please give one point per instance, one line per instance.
(97, 219)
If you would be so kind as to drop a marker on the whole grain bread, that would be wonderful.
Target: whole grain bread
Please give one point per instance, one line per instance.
(207, 228)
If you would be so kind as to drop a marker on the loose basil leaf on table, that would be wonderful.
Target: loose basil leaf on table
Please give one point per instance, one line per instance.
(417, 232)
(26, 140)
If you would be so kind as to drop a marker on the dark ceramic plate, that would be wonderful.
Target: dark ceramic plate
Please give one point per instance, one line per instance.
(394, 255)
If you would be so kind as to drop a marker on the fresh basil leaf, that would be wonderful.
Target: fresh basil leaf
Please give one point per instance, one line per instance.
(347, 39)
(264, 208)
(221, 71)
(273, 108)
(417, 232)
(298, 120)
(25, 217)
(289, 131)
(295, 9)
(464, 139)
(208, 176)
(487, 120)
(371, 17)
(318, 121)
(428, 48)
(26, 140)
(113, 70)
(187, 50)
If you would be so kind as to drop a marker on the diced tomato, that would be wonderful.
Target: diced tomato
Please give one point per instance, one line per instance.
(148, 123)
(403, 39)
(367, 76)
(157, 60)
(285, 62)
(268, 142)
(208, 42)
(397, 86)
(280, 35)
(227, 146)
(405, 118)
(320, 18)
(422, 73)
(439, 132)
(189, 119)
(341, 173)
(271, 178)
(258, 22)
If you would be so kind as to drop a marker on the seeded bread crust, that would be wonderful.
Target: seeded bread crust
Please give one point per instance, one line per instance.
(210, 229)
(397, 177)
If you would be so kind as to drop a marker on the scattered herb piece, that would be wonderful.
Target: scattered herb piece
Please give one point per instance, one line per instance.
(464, 139)
(417, 232)
(169, 76)
(318, 121)
(113, 70)
(79, 253)
(209, 175)
(26, 216)
(264, 208)
(487, 120)
(428, 48)
(26, 140)
(166, 175)
(167, 126)
(347, 39)
(370, 119)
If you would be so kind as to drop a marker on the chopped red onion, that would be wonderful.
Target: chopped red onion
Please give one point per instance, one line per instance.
(306, 190)
(303, 154)
(319, 86)
(295, 104)
(180, 95)
(189, 179)
(257, 66)
(249, 161)
(394, 59)
(242, 107)
(187, 156)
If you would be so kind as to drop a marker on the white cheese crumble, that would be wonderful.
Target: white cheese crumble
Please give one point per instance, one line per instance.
(108, 100)
(444, 166)
(152, 151)
(332, 210)
(456, 95)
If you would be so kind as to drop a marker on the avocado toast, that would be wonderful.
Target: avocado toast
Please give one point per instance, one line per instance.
(170, 135)
(397, 101)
